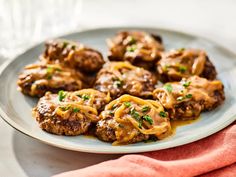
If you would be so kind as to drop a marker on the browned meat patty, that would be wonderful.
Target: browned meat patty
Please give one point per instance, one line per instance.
(182, 63)
(137, 47)
(118, 78)
(36, 79)
(73, 54)
(106, 132)
(69, 113)
(130, 119)
(187, 98)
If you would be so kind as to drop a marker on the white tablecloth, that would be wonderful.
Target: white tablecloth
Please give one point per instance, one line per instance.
(23, 156)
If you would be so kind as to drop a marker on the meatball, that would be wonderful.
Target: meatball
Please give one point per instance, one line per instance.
(36, 79)
(69, 113)
(187, 98)
(118, 78)
(137, 47)
(182, 63)
(73, 54)
(130, 119)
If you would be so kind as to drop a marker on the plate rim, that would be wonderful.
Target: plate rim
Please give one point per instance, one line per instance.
(187, 140)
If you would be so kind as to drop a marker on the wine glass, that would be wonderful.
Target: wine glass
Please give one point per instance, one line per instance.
(26, 22)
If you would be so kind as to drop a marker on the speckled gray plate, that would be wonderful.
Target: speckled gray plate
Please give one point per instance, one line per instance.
(15, 108)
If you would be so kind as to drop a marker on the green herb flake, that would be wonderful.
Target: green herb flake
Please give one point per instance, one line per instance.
(65, 108)
(189, 96)
(168, 87)
(58, 69)
(166, 67)
(49, 69)
(80, 96)
(61, 95)
(163, 114)
(145, 108)
(131, 40)
(118, 83)
(111, 113)
(134, 114)
(49, 72)
(148, 119)
(85, 97)
(180, 98)
(181, 49)
(186, 84)
(131, 48)
(113, 106)
(182, 69)
(65, 44)
(121, 126)
(73, 47)
(49, 77)
(139, 124)
(127, 104)
(75, 110)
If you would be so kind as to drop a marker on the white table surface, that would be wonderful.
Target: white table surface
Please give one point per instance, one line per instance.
(22, 156)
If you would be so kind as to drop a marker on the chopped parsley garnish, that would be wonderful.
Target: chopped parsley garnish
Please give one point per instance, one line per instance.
(186, 84)
(180, 98)
(134, 114)
(189, 96)
(118, 83)
(111, 113)
(168, 87)
(181, 49)
(113, 106)
(49, 69)
(140, 118)
(65, 108)
(131, 48)
(49, 77)
(131, 40)
(127, 104)
(75, 110)
(73, 47)
(140, 124)
(148, 119)
(58, 69)
(84, 96)
(121, 126)
(165, 68)
(49, 72)
(163, 114)
(145, 108)
(65, 44)
(182, 69)
(61, 95)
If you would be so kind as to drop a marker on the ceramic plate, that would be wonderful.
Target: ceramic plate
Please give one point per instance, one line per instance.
(15, 108)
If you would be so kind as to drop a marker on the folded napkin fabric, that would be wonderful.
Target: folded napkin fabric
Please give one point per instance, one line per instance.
(214, 156)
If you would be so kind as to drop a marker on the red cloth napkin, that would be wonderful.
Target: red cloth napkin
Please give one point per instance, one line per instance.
(214, 156)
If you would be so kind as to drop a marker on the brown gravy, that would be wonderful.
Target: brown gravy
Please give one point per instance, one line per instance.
(177, 123)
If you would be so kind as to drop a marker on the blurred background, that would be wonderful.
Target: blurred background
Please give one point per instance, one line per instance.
(24, 23)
